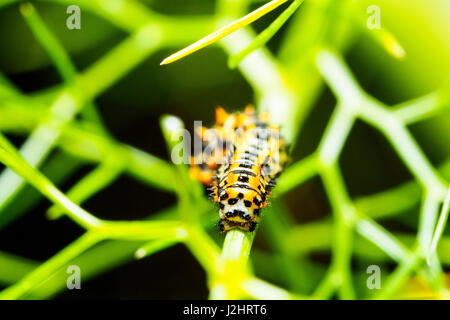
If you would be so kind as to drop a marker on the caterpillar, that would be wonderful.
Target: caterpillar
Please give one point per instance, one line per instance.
(241, 158)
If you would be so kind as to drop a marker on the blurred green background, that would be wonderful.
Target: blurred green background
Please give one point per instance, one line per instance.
(191, 89)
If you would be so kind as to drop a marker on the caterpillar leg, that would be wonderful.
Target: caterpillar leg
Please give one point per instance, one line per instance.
(226, 225)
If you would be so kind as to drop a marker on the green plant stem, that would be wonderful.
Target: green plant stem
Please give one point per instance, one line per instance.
(373, 112)
(327, 286)
(382, 248)
(259, 289)
(343, 218)
(89, 185)
(382, 239)
(107, 254)
(277, 225)
(234, 262)
(48, 41)
(297, 174)
(58, 55)
(266, 35)
(109, 230)
(71, 99)
(154, 246)
(13, 268)
(83, 141)
(41, 183)
(329, 149)
(440, 225)
(427, 222)
(237, 246)
(39, 274)
(424, 107)
(196, 239)
(399, 277)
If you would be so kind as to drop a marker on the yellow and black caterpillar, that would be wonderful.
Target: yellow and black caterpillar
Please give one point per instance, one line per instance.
(244, 156)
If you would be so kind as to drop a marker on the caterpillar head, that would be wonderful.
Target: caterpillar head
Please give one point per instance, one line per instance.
(239, 205)
(226, 225)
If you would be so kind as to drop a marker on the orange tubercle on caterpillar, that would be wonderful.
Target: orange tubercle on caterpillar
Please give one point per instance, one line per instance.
(221, 116)
(205, 177)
